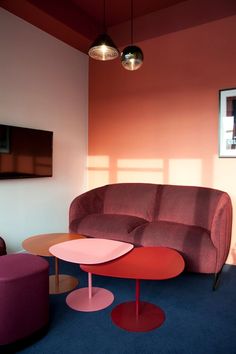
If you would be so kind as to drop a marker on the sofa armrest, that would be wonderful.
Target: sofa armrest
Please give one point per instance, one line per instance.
(221, 230)
(3, 249)
(90, 202)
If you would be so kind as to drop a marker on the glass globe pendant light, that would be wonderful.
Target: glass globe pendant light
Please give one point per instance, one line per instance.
(103, 48)
(132, 56)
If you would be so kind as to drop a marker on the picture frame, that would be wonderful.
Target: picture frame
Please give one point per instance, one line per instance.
(227, 122)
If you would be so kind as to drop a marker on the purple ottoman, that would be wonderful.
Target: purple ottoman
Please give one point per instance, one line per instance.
(24, 296)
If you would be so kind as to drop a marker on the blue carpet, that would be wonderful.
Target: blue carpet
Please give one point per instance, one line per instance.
(198, 320)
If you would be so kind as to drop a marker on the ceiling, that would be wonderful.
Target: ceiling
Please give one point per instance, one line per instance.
(119, 11)
(79, 22)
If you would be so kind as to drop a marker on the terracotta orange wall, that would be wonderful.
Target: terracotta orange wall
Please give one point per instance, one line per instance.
(160, 123)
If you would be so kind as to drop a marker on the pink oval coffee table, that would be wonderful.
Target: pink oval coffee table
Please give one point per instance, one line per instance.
(90, 251)
(153, 263)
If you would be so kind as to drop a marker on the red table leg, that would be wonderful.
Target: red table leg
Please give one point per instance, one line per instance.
(137, 298)
(138, 316)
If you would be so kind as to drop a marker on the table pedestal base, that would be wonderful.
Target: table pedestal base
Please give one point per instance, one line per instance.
(61, 283)
(80, 300)
(149, 316)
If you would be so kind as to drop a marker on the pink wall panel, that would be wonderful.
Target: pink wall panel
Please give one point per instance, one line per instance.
(160, 123)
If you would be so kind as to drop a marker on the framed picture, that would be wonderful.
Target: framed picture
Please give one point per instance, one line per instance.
(227, 123)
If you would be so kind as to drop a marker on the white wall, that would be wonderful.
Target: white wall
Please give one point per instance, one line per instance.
(43, 84)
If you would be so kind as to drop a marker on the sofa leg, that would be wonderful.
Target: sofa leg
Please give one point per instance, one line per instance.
(216, 280)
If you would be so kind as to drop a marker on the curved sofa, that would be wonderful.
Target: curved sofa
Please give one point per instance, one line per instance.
(196, 221)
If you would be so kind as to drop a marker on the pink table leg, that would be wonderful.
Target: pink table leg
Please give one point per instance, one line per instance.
(89, 299)
(90, 285)
(138, 316)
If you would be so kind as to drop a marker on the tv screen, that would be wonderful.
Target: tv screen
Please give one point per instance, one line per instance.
(25, 152)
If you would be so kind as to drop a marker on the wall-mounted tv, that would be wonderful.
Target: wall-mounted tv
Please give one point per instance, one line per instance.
(25, 152)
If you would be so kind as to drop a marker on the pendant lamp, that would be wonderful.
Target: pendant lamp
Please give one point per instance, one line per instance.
(132, 56)
(103, 48)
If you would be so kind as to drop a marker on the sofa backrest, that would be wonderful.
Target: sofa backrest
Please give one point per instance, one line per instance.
(187, 204)
(181, 204)
(137, 199)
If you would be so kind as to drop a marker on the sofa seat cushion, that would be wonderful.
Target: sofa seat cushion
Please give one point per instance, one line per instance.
(193, 242)
(111, 226)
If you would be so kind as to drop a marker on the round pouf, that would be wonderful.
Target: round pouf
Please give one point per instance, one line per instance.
(24, 296)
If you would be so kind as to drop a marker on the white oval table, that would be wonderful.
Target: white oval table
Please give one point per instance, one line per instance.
(90, 251)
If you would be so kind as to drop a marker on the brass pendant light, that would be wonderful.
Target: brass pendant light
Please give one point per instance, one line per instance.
(103, 48)
(132, 56)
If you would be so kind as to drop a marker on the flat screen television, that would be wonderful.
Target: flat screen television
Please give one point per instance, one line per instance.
(25, 152)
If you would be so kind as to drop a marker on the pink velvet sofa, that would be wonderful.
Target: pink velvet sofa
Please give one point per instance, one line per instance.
(196, 221)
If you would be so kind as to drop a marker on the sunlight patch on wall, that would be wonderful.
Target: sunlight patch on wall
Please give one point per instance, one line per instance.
(140, 163)
(224, 172)
(139, 176)
(98, 162)
(140, 170)
(98, 171)
(185, 172)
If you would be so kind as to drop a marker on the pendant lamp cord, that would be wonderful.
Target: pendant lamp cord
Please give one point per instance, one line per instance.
(131, 20)
(104, 16)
